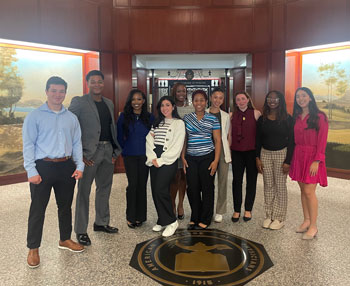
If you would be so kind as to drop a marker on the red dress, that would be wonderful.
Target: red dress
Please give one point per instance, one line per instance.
(310, 146)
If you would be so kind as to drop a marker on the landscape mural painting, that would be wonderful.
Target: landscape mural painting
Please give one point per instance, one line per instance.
(327, 74)
(23, 75)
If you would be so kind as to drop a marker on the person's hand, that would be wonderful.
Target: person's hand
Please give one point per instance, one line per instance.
(77, 175)
(314, 168)
(213, 166)
(285, 168)
(88, 162)
(113, 160)
(259, 165)
(184, 163)
(155, 164)
(36, 180)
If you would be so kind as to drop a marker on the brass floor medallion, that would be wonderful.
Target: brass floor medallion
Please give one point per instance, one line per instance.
(206, 257)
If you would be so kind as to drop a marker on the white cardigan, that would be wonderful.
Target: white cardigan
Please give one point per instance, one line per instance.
(225, 128)
(174, 141)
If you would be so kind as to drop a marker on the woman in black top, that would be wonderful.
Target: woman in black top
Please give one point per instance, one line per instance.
(274, 150)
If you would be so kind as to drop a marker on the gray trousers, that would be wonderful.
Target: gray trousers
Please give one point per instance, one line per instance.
(102, 172)
(222, 173)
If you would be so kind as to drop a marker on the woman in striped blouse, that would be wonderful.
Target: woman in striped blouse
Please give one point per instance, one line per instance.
(200, 158)
(163, 148)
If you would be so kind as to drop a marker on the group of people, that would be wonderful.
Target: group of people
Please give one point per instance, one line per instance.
(182, 148)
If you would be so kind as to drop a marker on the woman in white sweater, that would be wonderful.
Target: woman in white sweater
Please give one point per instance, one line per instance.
(163, 148)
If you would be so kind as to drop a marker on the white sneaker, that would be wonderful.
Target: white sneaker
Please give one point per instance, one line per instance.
(276, 224)
(157, 228)
(218, 218)
(266, 223)
(170, 229)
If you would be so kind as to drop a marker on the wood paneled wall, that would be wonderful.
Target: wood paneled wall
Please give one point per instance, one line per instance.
(119, 29)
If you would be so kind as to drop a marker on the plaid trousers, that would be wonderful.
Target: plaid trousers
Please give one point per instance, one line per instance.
(275, 188)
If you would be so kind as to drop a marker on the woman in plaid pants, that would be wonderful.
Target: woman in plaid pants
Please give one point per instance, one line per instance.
(274, 151)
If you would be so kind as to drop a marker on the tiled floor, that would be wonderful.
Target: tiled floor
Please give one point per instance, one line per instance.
(323, 261)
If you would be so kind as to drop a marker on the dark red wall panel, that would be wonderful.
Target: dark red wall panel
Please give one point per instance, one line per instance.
(243, 2)
(106, 28)
(160, 30)
(315, 22)
(222, 30)
(277, 29)
(70, 23)
(277, 71)
(121, 30)
(149, 2)
(262, 33)
(106, 66)
(19, 20)
(260, 78)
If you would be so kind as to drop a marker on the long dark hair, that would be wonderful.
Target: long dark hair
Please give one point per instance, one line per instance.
(129, 117)
(312, 121)
(160, 118)
(282, 113)
(250, 102)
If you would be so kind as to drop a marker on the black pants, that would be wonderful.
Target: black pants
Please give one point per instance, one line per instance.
(136, 195)
(160, 183)
(243, 160)
(56, 176)
(200, 187)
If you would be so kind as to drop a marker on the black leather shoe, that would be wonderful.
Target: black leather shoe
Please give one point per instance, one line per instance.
(235, 219)
(131, 225)
(83, 239)
(191, 226)
(245, 218)
(138, 223)
(181, 217)
(105, 228)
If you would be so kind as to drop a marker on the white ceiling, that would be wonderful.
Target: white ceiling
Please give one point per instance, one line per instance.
(190, 61)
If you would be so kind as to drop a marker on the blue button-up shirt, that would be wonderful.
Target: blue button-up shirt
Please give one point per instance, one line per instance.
(47, 134)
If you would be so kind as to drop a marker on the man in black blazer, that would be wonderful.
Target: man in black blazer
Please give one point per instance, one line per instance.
(100, 150)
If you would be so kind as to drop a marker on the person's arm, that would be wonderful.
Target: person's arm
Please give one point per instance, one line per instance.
(183, 153)
(75, 106)
(321, 144)
(174, 147)
(77, 151)
(30, 135)
(120, 130)
(217, 143)
(258, 144)
(150, 154)
(290, 146)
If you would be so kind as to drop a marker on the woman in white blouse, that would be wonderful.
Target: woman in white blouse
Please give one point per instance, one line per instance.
(163, 148)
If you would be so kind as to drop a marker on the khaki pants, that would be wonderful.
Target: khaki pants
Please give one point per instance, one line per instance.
(222, 173)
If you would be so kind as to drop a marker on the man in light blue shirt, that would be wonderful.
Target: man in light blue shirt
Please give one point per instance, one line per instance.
(52, 153)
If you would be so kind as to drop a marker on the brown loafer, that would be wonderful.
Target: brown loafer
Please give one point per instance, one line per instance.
(70, 245)
(33, 258)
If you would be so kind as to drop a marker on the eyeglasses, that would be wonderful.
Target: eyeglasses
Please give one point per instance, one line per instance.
(272, 100)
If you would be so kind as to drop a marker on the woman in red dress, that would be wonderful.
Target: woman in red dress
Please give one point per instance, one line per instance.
(308, 166)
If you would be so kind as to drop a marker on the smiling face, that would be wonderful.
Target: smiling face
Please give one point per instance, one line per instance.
(199, 102)
(55, 96)
(273, 101)
(95, 85)
(302, 99)
(217, 99)
(181, 94)
(136, 103)
(242, 101)
(166, 108)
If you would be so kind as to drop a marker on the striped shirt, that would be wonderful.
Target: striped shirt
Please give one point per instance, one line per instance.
(160, 131)
(200, 133)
